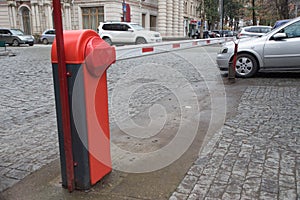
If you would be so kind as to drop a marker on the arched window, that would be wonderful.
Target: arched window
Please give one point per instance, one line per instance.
(185, 7)
(26, 20)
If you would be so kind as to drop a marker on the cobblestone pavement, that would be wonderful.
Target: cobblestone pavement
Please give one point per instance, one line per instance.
(28, 133)
(27, 109)
(256, 154)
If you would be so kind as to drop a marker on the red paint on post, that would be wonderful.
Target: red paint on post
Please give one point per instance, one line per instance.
(176, 45)
(147, 49)
(62, 74)
(235, 56)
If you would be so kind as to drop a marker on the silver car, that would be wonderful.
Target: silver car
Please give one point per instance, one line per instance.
(253, 31)
(15, 37)
(48, 36)
(277, 50)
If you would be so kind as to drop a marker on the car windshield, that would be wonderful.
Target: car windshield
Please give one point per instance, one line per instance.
(137, 27)
(17, 32)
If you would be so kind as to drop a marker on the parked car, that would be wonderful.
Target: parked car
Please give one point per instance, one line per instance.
(280, 22)
(48, 36)
(224, 33)
(276, 50)
(253, 31)
(15, 37)
(206, 34)
(127, 33)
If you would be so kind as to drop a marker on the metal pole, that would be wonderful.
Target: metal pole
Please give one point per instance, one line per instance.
(232, 68)
(123, 9)
(222, 24)
(63, 89)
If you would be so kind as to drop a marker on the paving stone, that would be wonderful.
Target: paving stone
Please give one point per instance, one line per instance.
(260, 157)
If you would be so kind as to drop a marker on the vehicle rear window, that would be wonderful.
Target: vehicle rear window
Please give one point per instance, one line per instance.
(112, 27)
(50, 32)
(255, 30)
(265, 30)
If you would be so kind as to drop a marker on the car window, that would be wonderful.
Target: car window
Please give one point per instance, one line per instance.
(117, 27)
(137, 27)
(50, 32)
(17, 32)
(255, 30)
(6, 32)
(107, 27)
(247, 29)
(2, 32)
(292, 30)
(124, 27)
(265, 29)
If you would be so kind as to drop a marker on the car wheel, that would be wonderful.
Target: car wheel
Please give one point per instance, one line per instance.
(108, 40)
(15, 43)
(45, 41)
(246, 66)
(140, 41)
(31, 44)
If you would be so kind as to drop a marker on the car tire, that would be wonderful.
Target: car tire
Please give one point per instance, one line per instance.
(31, 44)
(246, 66)
(45, 41)
(107, 40)
(15, 43)
(140, 41)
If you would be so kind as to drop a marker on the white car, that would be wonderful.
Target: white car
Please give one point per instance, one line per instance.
(127, 33)
(253, 31)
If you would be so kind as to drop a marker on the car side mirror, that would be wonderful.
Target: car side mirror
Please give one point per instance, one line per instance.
(280, 36)
(130, 30)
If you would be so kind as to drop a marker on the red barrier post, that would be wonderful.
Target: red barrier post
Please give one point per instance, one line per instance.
(87, 57)
(64, 95)
(232, 67)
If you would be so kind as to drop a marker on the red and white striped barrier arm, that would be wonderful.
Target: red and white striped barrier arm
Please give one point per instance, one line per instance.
(133, 51)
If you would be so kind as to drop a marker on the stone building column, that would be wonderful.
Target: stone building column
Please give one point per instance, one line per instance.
(12, 14)
(33, 18)
(38, 21)
(180, 18)
(162, 17)
(175, 18)
(67, 12)
(169, 21)
(48, 15)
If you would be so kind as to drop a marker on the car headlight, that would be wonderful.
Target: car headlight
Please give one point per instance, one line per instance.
(224, 50)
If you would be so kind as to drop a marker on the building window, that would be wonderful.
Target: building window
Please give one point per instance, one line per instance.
(144, 20)
(185, 7)
(26, 21)
(91, 17)
(153, 23)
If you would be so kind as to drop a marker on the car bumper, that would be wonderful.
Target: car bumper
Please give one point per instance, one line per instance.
(154, 40)
(27, 41)
(223, 60)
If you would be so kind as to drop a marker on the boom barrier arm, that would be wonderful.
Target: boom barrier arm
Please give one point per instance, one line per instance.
(133, 51)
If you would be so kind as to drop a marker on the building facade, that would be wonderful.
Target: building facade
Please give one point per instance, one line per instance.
(172, 18)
